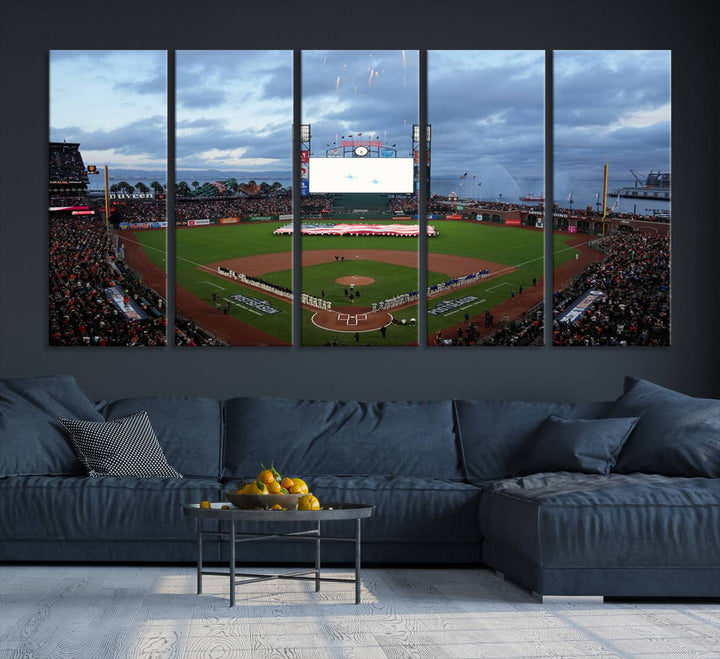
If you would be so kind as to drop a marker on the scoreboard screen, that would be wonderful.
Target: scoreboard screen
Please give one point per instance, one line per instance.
(382, 175)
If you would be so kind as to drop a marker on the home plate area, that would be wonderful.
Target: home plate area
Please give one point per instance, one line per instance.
(351, 320)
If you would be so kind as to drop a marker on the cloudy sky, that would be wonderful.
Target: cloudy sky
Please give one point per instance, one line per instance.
(114, 103)
(370, 92)
(614, 107)
(487, 112)
(234, 110)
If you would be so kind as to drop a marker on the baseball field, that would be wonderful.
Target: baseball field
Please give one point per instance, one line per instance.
(371, 269)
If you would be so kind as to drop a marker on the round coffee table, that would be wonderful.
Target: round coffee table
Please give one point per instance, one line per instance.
(329, 513)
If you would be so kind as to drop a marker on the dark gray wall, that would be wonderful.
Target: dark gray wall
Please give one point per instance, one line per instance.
(30, 29)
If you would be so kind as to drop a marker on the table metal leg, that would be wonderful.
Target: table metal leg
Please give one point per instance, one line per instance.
(232, 562)
(317, 560)
(200, 556)
(357, 561)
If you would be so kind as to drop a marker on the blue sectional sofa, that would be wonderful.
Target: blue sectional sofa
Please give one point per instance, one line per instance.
(609, 498)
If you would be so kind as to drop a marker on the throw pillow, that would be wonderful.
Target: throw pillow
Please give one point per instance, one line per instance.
(493, 433)
(121, 447)
(590, 446)
(677, 435)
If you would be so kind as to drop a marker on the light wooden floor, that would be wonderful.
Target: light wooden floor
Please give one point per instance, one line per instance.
(84, 612)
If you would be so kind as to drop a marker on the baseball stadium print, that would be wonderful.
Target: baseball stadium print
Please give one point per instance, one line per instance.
(108, 132)
(233, 166)
(359, 235)
(360, 174)
(612, 198)
(485, 256)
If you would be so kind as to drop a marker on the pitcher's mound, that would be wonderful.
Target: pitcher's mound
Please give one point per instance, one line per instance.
(358, 280)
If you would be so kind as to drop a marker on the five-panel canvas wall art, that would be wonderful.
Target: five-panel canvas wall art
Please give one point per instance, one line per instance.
(453, 218)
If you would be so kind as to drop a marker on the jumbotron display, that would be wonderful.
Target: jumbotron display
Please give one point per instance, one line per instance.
(382, 175)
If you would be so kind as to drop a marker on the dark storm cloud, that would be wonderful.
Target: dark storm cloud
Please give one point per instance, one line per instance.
(223, 70)
(483, 107)
(278, 85)
(201, 98)
(155, 85)
(604, 105)
(275, 143)
(141, 137)
(216, 89)
(353, 91)
(486, 108)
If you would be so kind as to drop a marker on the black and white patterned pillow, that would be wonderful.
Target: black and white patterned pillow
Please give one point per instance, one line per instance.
(121, 447)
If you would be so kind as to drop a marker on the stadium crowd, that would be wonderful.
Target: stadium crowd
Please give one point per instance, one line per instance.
(213, 209)
(526, 331)
(187, 333)
(635, 309)
(68, 200)
(66, 164)
(83, 265)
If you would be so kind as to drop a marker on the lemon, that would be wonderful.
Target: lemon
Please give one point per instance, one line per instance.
(205, 504)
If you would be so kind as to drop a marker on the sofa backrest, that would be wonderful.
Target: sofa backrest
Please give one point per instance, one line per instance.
(32, 441)
(313, 437)
(189, 429)
(493, 434)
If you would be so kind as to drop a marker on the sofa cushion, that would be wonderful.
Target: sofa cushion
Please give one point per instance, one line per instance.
(493, 434)
(566, 520)
(100, 509)
(121, 447)
(590, 446)
(677, 435)
(32, 440)
(312, 437)
(189, 429)
(408, 509)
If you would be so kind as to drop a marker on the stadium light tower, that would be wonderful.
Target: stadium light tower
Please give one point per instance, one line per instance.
(305, 137)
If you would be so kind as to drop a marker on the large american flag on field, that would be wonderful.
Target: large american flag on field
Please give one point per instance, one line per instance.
(357, 230)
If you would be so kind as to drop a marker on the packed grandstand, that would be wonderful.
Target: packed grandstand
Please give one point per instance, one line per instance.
(95, 298)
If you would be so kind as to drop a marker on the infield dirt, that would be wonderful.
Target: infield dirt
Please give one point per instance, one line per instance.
(452, 266)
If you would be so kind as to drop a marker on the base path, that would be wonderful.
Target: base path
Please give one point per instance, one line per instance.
(228, 329)
(452, 266)
(351, 319)
(515, 307)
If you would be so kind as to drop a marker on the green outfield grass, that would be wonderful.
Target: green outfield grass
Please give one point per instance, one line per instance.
(203, 245)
